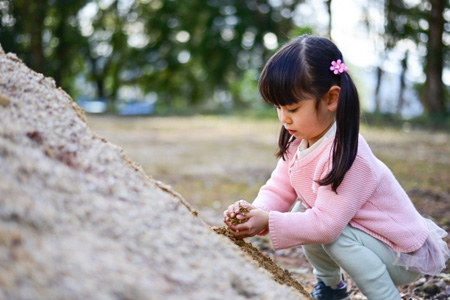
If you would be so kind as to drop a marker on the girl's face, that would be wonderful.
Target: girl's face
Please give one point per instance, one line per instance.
(304, 121)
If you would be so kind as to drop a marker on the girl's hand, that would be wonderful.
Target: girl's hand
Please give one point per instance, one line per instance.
(233, 211)
(251, 223)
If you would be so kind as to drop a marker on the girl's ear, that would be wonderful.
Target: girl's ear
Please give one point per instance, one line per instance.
(333, 97)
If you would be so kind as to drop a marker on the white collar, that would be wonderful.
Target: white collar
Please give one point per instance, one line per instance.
(303, 150)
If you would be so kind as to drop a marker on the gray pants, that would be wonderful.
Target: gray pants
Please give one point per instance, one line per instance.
(367, 260)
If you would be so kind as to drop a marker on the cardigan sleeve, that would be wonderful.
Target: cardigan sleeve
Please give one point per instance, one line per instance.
(330, 214)
(277, 194)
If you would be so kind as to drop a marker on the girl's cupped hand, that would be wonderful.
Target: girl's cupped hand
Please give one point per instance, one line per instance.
(245, 220)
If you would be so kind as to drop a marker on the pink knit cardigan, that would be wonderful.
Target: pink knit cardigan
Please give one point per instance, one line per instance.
(369, 198)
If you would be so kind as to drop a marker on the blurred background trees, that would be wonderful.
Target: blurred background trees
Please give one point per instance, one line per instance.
(206, 54)
(426, 25)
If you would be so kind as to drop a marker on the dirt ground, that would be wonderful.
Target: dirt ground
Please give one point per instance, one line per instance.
(214, 161)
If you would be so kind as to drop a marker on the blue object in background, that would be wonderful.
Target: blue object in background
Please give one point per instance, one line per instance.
(131, 108)
(136, 108)
(93, 106)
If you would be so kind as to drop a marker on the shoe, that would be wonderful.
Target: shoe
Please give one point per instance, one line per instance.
(323, 292)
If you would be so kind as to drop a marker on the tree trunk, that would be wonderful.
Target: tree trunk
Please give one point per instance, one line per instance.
(62, 49)
(37, 11)
(378, 89)
(32, 16)
(401, 98)
(434, 87)
(328, 2)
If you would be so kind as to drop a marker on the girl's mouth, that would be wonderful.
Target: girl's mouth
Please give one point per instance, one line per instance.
(291, 132)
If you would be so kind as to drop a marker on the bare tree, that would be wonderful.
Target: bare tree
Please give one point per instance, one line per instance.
(401, 98)
(434, 87)
(330, 19)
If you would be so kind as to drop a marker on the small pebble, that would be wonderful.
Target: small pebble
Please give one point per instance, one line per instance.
(4, 100)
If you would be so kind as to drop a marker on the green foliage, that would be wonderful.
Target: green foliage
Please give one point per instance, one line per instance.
(194, 55)
(197, 54)
(297, 31)
(45, 35)
(185, 51)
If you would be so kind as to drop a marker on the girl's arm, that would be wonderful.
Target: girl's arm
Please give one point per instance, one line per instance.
(330, 214)
(277, 194)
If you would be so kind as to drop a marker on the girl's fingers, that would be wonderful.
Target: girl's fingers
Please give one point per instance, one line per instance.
(236, 207)
(241, 217)
(226, 213)
(231, 211)
(238, 231)
(241, 203)
(234, 211)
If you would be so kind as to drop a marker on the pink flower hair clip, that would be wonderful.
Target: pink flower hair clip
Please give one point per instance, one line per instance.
(338, 67)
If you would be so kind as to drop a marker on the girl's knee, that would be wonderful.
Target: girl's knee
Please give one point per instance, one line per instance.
(343, 242)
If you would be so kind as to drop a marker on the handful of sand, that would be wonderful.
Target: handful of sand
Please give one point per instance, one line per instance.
(242, 211)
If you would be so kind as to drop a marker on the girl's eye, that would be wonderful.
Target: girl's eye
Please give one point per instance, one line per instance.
(293, 110)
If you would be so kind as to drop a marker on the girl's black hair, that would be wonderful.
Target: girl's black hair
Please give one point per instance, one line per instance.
(300, 70)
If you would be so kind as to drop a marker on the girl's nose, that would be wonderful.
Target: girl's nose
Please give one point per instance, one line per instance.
(283, 117)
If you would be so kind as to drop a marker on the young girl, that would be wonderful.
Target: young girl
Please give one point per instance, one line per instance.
(354, 214)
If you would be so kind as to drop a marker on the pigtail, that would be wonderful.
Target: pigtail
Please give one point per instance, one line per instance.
(345, 145)
(284, 141)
